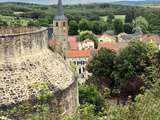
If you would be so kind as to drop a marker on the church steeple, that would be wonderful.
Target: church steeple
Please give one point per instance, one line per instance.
(60, 12)
(60, 27)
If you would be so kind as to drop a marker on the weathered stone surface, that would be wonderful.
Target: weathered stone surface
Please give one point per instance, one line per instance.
(25, 60)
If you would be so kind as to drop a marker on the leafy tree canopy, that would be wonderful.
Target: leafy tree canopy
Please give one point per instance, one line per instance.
(133, 60)
(142, 23)
(73, 27)
(102, 63)
(88, 94)
(88, 35)
(118, 26)
(84, 25)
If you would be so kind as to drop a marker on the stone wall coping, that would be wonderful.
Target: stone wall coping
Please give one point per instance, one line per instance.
(41, 29)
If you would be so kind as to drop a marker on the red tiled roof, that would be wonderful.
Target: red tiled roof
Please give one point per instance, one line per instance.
(78, 53)
(53, 42)
(73, 42)
(148, 38)
(112, 45)
(106, 35)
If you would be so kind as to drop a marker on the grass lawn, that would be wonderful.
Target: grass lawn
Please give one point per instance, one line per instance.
(11, 20)
(122, 17)
(152, 6)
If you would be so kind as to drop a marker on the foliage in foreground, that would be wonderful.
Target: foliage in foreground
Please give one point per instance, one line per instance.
(30, 111)
(146, 107)
(134, 65)
(88, 94)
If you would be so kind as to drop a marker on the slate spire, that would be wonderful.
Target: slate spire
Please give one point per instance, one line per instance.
(60, 11)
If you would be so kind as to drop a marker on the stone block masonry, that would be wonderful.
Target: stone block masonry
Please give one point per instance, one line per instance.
(26, 60)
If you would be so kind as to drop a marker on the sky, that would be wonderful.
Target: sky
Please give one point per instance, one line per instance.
(55, 1)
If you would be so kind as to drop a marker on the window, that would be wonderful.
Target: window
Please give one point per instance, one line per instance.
(56, 24)
(75, 62)
(83, 69)
(80, 71)
(79, 63)
(64, 24)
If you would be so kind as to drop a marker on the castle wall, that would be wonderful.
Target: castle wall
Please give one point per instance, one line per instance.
(25, 60)
(66, 102)
(14, 44)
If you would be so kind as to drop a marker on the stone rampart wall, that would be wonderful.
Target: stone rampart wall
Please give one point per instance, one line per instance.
(28, 42)
(25, 60)
(66, 102)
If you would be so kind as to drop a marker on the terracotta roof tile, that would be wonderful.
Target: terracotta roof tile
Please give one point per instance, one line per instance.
(73, 42)
(148, 38)
(78, 53)
(53, 42)
(106, 36)
(112, 45)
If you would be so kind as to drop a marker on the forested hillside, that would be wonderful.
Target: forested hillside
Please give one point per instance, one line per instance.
(44, 13)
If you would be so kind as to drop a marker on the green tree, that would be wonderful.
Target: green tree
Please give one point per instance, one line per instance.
(110, 19)
(142, 23)
(88, 94)
(43, 22)
(134, 60)
(73, 27)
(128, 28)
(118, 26)
(32, 23)
(146, 107)
(103, 26)
(130, 16)
(88, 35)
(102, 67)
(86, 112)
(102, 63)
(84, 25)
(96, 27)
(3, 23)
(42, 105)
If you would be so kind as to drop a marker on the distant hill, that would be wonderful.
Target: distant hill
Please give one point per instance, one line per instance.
(69, 2)
(143, 2)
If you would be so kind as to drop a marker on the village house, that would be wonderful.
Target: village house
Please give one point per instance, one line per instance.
(106, 38)
(86, 44)
(79, 53)
(152, 39)
(116, 46)
(72, 41)
(78, 59)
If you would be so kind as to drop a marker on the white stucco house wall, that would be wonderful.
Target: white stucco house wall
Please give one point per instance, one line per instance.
(86, 44)
(78, 59)
(106, 38)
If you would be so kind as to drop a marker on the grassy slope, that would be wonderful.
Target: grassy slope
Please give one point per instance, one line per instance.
(122, 17)
(11, 19)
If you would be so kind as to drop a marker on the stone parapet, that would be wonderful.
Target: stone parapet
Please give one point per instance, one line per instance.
(25, 41)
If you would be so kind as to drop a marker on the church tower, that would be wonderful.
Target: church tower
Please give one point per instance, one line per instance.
(60, 27)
